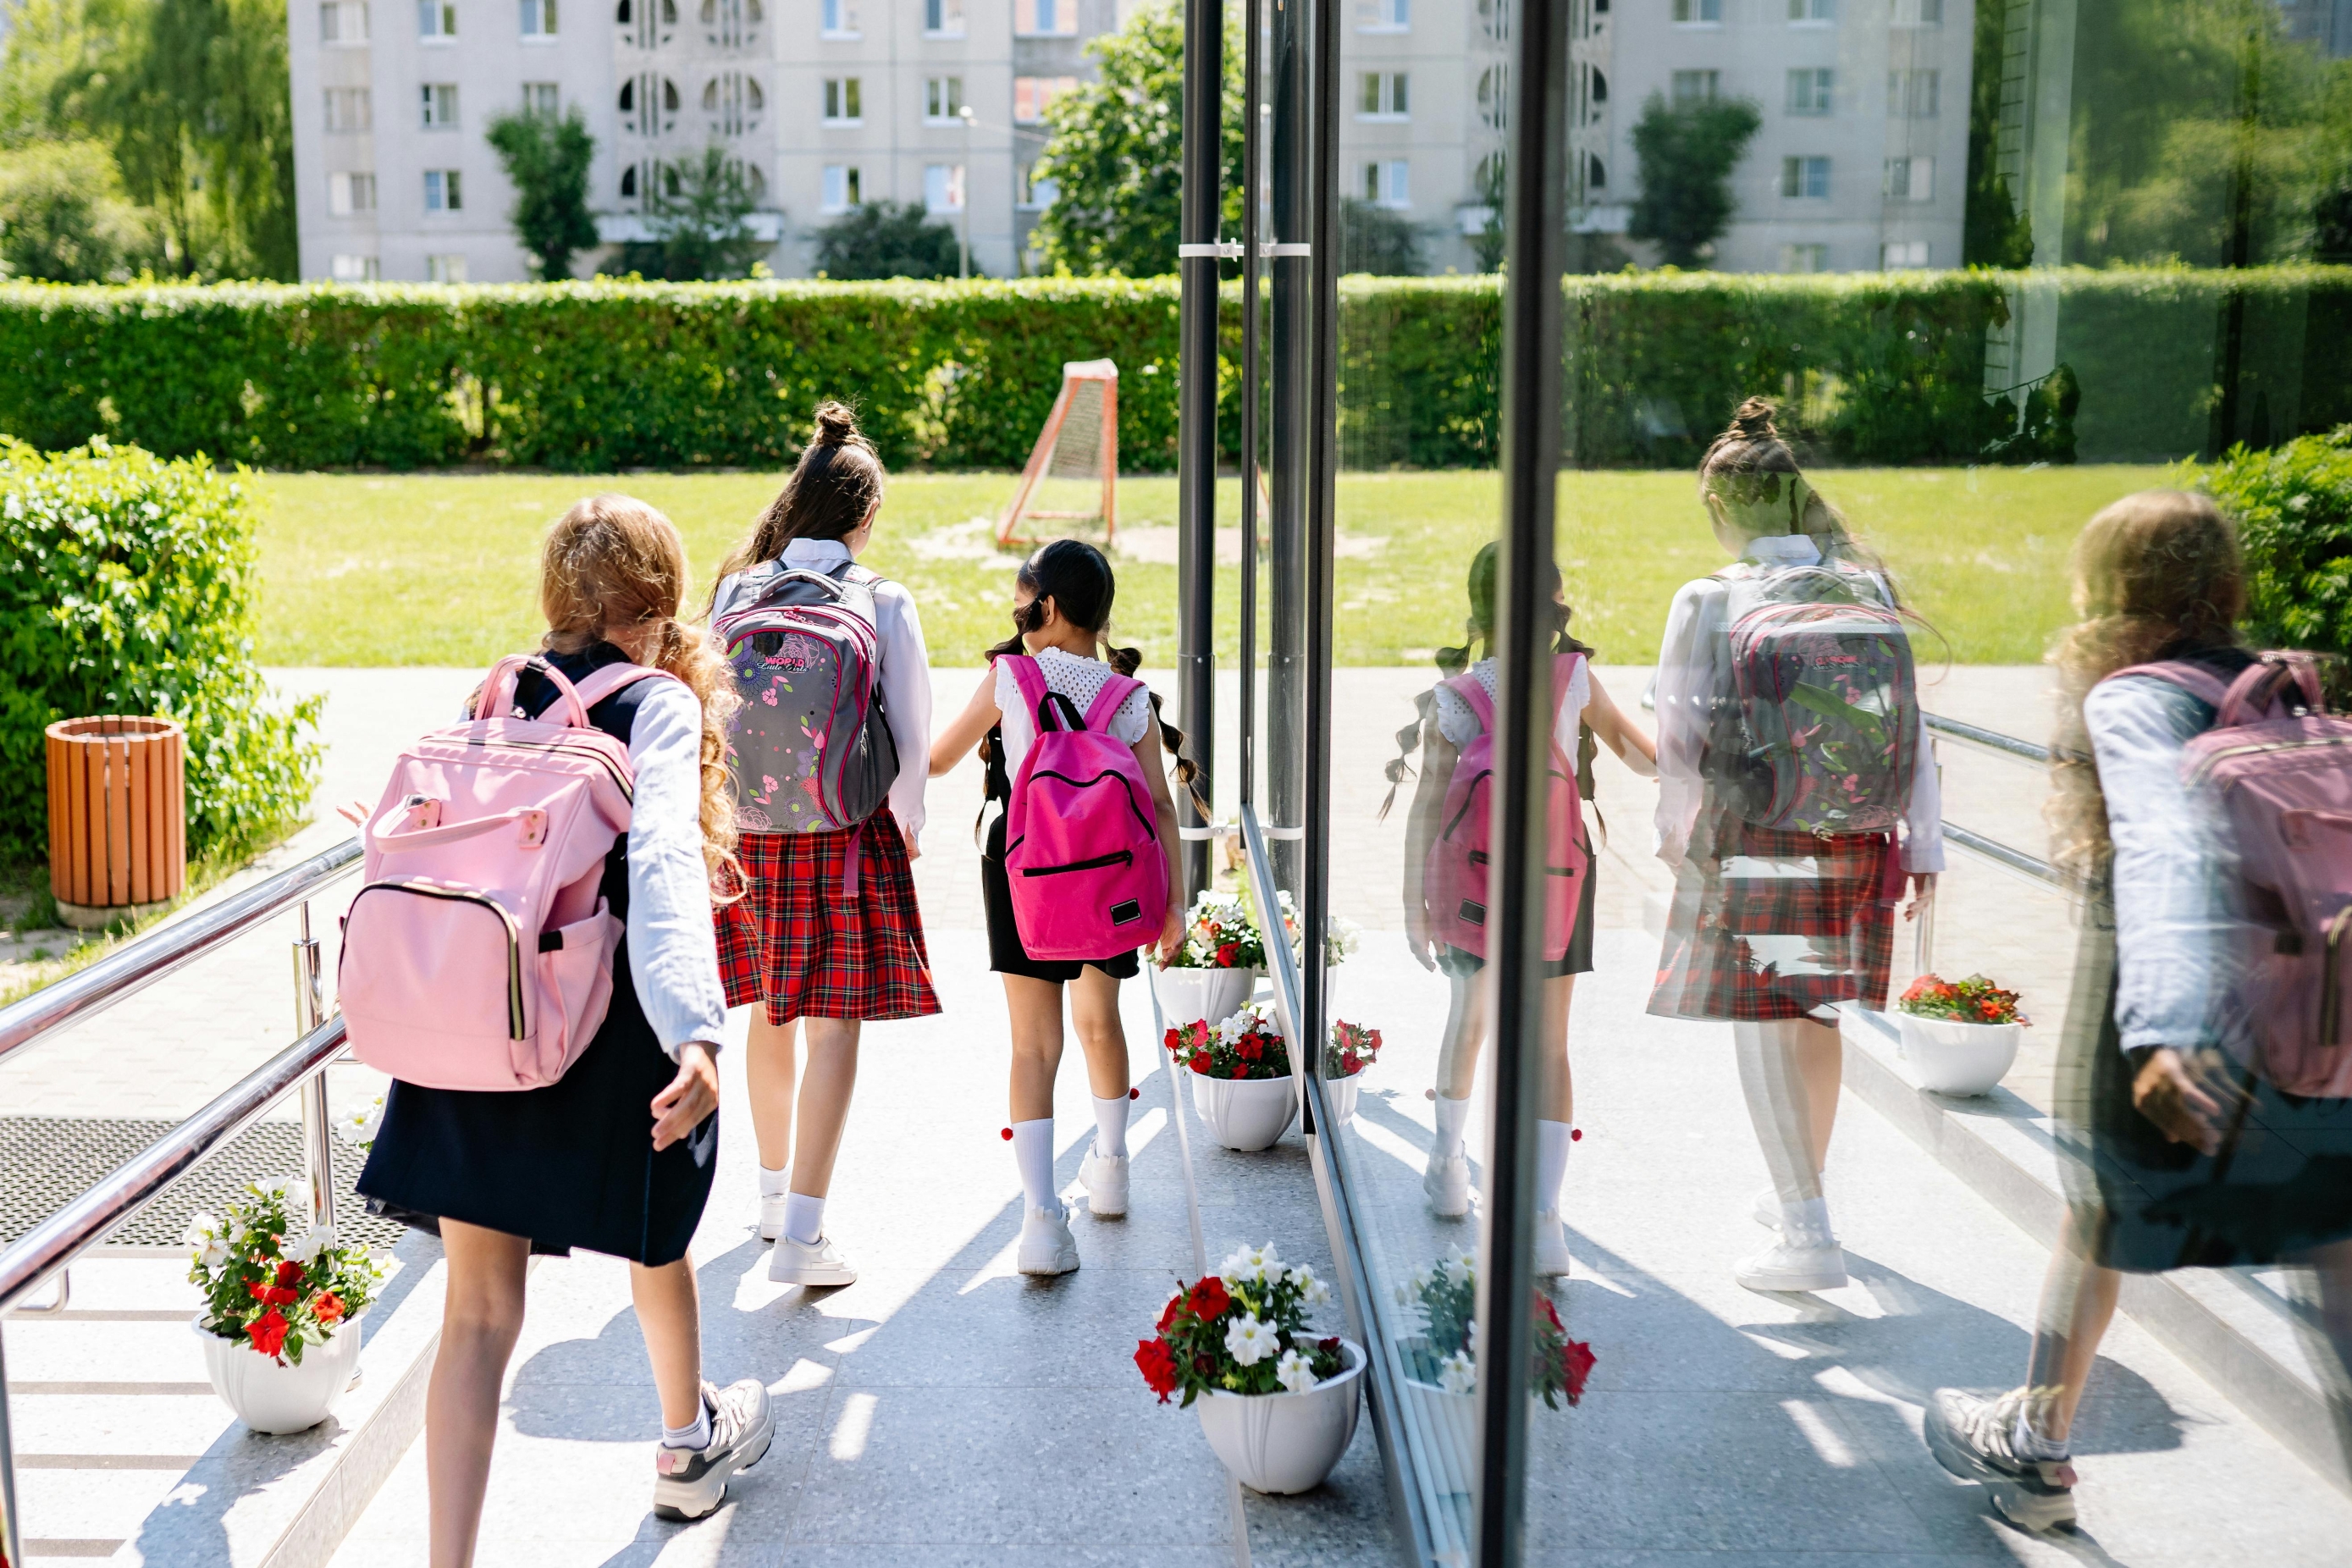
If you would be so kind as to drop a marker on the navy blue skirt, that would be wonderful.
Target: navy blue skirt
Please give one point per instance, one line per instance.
(571, 1165)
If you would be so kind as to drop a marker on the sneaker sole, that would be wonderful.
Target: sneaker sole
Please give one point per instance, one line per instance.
(1555, 1268)
(813, 1277)
(1790, 1284)
(1114, 1208)
(1442, 1208)
(2023, 1505)
(682, 1502)
(1066, 1263)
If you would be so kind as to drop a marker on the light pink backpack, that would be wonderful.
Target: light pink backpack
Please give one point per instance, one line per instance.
(2279, 766)
(1081, 836)
(478, 952)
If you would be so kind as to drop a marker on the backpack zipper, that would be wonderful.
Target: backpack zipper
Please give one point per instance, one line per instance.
(626, 785)
(1124, 857)
(2260, 747)
(514, 939)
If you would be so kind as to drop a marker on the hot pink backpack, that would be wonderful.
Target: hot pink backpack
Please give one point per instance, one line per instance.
(477, 953)
(1081, 835)
(2280, 767)
(1454, 874)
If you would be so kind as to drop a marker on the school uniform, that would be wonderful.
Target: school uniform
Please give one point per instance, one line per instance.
(573, 1165)
(795, 939)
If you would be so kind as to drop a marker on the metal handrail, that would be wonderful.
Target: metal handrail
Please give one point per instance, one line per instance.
(1992, 740)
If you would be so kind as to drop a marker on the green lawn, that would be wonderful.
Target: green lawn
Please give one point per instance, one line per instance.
(441, 568)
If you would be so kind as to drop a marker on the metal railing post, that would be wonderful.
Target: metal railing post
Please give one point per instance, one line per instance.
(12, 1544)
(310, 1007)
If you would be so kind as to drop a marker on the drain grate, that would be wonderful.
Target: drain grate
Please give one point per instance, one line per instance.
(46, 1161)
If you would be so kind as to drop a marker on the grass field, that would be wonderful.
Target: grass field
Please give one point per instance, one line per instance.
(441, 568)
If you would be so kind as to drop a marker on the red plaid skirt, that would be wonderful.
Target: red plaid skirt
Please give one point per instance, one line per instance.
(1768, 925)
(797, 941)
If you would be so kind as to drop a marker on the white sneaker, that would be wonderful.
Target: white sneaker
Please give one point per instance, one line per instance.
(1551, 1244)
(690, 1482)
(1784, 1266)
(771, 1217)
(1046, 1245)
(1105, 1178)
(803, 1263)
(1447, 1183)
(1767, 1212)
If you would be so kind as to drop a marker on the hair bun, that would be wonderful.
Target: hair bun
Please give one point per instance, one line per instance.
(1752, 420)
(835, 424)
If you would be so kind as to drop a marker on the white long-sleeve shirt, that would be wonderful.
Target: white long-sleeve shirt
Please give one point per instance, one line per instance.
(673, 950)
(906, 676)
(1695, 677)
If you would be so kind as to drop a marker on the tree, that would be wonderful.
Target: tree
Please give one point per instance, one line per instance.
(64, 218)
(1492, 241)
(546, 161)
(885, 240)
(697, 211)
(1379, 240)
(1993, 232)
(1114, 151)
(1686, 153)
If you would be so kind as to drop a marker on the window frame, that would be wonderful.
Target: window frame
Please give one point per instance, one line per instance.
(443, 14)
(1706, 77)
(943, 18)
(1797, 169)
(451, 187)
(955, 175)
(846, 93)
(339, 10)
(1698, 13)
(437, 106)
(851, 194)
(943, 100)
(1386, 90)
(544, 12)
(1820, 100)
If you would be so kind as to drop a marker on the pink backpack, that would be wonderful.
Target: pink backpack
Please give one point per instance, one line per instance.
(1455, 875)
(477, 953)
(2280, 767)
(1081, 835)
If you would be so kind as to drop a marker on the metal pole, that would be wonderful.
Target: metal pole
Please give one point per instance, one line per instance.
(1323, 436)
(963, 241)
(1532, 320)
(12, 1543)
(1291, 432)
(318, 1131)
(1196, 417)
(1253, 24)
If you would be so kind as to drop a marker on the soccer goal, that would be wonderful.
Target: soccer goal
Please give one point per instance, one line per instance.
(1073, 473)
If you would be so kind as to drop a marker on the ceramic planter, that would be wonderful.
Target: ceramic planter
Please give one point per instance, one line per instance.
(1953, 1057)
(1286, 1442)
(1339, 1095)
(1246, 1113)
(1447, 1423)
(1192, 996)
(275, 1398)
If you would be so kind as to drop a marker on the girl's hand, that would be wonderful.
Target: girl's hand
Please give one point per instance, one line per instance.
(692, 1095)
(354, 811)
(914, 850)
(1171, 936)
(1923, 894)
(2183, 1100)
(1417, 936)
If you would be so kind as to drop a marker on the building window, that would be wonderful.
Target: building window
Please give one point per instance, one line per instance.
(837, 18)
(349, 108)
(629, 183)
(843, 105)
(348, 194)
(841, 188)
(1912, 95)
(1383, 16)
(1804, 258)
(1599, 86)
(1033, 95)
(1046, 18)
(354, 270)
(538, 18)
(1919, 12)
(1389, 183)
(943, 18)
(445, 270)
(343, 22)
(1910, 179)
(440, 105)
(543, 100)
(1384, 97)
(442, 191)
(1805, 177)
(1902, 253)
(1035, 195)
(1699, 13)
(436, 18)
(1696, 86)
(943, 187)
(943, 99)
(1819, 13)
(1813, 90)
(1596, 173)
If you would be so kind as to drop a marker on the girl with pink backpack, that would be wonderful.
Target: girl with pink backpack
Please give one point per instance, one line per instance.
(1077, 868)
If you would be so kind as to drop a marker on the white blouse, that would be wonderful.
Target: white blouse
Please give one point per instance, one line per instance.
(1079, 680)
(1460, 726)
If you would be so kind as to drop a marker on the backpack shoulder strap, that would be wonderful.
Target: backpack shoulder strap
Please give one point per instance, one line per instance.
(2200, 683)
(1473, 692)
(1029, 679)
(613, 678)
(1114, 693)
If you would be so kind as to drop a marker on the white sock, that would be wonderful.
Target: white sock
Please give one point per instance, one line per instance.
(804, 1219)
(774, 1183)
(1453, 1116)
(696, 1436)
(1033, 1151)
(1110, 1126)
(2032, 1444)
(1807, 1223)
(1551, 1164)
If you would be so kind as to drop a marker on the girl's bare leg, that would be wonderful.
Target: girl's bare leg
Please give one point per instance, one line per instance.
(1094, 1013)
(480, 1325)
(1035, 1008)
(1466, 1032)
(1780, 1086)
(826, 1088)
(1559, 1088)
(2078, 1301)
(770, 1067)
(669, 1315)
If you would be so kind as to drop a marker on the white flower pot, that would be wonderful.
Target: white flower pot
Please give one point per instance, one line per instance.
(1447, 1423)
(279, 1398)
(1192, 996)
(1339, 1096)
(1952, 1057)
(1286, 1442)
(1246, 1113)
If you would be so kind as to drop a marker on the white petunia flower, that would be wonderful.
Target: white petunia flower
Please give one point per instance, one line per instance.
(1311, 1290)
(1249, 1341)
(309, 1245)
(361, 1125)
(212, 1254)
(1458, 1374)
(1294, 1372)
(200, 1226)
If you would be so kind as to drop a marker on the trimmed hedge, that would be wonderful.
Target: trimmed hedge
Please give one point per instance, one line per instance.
(2293, 507)
(127, 585)
(1874, 367)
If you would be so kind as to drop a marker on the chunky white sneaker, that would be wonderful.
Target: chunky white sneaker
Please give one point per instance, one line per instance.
(771, 1217)
(1551, 1244)
(801, 1263)
(1046, 1245)
(690, 1482)
(1105, 1178)
(1784, 1266)
(1447, 1183)
(1975, 1439)
(1767, 1212)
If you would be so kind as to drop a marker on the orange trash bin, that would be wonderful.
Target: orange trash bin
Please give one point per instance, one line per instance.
(117, 816)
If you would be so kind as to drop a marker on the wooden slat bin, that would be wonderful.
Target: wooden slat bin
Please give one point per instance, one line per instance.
(117, 816)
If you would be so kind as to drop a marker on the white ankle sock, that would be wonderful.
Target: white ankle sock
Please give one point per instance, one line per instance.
(1110, 1126)
(2033, 1444)
(1807, 1223)
(774, 1183)
(1033, 1151)
(697, 1436)
(1552, 1163)
(804, 1219)
(1453, 1116)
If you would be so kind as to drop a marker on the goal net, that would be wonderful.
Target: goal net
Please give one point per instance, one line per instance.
(1072, 480)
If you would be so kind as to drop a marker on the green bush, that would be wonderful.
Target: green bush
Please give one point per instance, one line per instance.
(127, 585)
(2293, 507)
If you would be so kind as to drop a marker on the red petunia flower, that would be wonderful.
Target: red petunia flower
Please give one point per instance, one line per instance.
(329, 1307)
(1209, 1300)
(267, 1333)
(1157, 1366)
(289, 1273)
(1248, 1049)
(1168, 1313)
(1228, 952)
(1576, 1360)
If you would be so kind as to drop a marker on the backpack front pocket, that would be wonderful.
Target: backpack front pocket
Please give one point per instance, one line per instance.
(431, 985)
